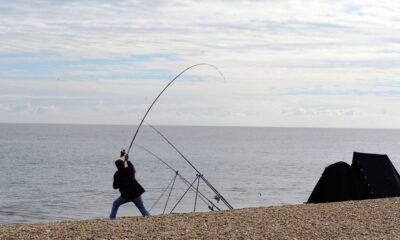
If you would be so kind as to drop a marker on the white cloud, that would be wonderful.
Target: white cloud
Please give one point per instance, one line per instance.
(286, 62)
(26, 109)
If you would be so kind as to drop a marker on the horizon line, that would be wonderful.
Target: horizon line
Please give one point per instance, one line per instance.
(188, 125)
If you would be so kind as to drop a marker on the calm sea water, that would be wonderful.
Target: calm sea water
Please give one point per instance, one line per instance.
(64, 172)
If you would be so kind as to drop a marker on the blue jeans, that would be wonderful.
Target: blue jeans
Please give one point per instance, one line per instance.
(119, 201)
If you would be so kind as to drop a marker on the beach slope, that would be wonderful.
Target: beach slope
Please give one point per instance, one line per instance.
(369, 219)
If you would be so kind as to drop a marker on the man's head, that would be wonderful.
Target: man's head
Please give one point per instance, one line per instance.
(119, 164)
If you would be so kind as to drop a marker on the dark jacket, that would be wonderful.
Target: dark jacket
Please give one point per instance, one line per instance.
(124, 179)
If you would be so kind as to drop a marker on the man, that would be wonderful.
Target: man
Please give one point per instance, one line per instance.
(131, 190)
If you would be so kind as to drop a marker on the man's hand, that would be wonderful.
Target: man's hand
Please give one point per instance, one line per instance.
(126, 157)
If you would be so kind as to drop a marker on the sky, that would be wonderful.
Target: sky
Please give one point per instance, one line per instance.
(284, 63)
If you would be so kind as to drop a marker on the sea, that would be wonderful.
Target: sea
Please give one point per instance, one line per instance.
(59, 172)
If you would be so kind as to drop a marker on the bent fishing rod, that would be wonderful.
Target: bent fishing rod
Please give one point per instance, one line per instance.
(219, 196)
(158, 96)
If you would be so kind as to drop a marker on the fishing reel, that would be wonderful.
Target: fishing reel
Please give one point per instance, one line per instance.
(123, 153)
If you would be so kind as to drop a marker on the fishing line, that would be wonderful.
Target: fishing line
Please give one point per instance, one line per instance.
(169, 195)
(163, 192)
(218, 195)
(202, 196)
(165, 88)
(191, 185)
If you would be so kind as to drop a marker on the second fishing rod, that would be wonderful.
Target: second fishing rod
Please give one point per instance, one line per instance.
(218, 195)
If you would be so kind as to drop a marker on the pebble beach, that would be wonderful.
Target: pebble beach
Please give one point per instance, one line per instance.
(368, 219)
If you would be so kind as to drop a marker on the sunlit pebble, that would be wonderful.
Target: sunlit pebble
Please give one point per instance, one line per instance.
(369, 219)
